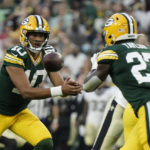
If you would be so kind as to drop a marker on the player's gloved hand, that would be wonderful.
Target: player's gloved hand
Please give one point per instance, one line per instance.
(94, 61)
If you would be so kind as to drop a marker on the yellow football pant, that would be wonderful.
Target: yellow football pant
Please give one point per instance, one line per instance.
(129, 121)
(136, 130)
(26, 125)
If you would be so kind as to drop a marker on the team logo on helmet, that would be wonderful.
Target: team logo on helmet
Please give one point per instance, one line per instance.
(25, 21)
(109, 22)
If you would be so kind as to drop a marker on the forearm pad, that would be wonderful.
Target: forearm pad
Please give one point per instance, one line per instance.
(91, 84)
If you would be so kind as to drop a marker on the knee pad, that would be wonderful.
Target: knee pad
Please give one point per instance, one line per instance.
(46, 144)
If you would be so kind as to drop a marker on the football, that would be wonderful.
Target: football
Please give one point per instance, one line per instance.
(53, 61)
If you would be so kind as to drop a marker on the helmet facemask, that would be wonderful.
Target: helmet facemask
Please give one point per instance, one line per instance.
(40, 44)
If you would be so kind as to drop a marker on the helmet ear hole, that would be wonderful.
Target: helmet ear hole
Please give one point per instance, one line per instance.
(110, 37)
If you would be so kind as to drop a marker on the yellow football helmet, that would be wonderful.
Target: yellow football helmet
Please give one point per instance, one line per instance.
(33, 23)
(120, 26)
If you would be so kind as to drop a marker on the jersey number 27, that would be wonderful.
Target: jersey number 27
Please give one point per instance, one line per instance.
(143, 58)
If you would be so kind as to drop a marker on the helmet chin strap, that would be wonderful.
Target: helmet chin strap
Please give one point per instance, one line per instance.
(36, 50)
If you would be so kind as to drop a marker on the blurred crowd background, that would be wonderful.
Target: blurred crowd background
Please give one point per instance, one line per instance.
(76, 28)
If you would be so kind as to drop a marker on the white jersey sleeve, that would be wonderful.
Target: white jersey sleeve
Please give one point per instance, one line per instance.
(119, 98)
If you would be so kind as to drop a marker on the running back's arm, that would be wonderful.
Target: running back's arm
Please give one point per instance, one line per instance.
(96, 77)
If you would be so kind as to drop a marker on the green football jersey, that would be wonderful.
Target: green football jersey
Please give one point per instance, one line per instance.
(130, 70)
(11, 101)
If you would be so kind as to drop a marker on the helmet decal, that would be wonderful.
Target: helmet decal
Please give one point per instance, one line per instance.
(109, 22)
(25, 21)
(39, 20)
(130, 23)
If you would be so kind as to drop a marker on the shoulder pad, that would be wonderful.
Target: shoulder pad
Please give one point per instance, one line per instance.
(15, 56)
(17, 51)
(108, 54)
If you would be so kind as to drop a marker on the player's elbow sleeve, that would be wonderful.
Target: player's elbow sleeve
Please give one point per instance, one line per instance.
(91, 84)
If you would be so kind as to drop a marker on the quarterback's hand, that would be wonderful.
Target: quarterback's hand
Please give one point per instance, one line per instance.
(70, 87)
(94, 61)
(49, 49)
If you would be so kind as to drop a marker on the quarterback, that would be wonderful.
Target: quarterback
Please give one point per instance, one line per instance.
(20, 75)
(128, 65)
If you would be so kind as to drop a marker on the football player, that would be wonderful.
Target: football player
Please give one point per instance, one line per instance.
(20, 75)
(128, 64)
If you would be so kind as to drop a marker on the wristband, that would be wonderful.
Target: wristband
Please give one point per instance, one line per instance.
(56, 91)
